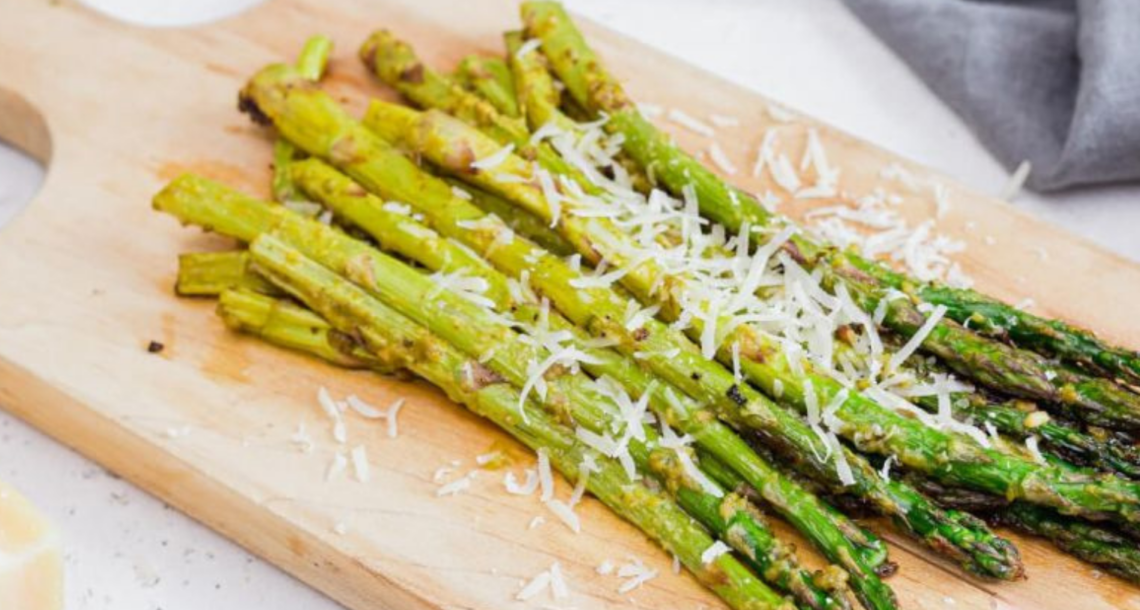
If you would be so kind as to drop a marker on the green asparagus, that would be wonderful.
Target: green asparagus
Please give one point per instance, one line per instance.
(873, 428)
(311, 63)
(209, 205)
(209, 273)
(490, 78)
(434, 359)
(286, 325)
(777, 564)
(395, 63)
(1005, 368)
(380, 171)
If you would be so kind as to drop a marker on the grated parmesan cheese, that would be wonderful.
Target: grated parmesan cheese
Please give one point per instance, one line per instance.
(721, 159)
(722, 120)
(688, 122)
(391, 415)
(912, 344)
(360, 466)
(362, 408)
(545, 475)
(493, 160)
(565, 514)
(526, 488)
(457, 486)
(528, 47)
(336, 467)
(716, 549)
(1017, 180)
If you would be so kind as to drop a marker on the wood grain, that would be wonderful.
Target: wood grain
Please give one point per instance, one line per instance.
(86, 272)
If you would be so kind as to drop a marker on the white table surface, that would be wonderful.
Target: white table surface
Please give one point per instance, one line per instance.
(127, 550)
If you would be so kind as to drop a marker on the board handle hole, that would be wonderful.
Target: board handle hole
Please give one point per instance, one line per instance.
(25, 153)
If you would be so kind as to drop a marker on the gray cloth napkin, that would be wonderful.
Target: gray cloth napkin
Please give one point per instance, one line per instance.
(1055, 82)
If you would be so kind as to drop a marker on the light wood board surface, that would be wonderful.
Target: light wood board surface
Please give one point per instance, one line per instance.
(85, 285)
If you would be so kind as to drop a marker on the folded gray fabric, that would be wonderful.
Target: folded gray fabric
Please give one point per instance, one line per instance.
(1055, 82)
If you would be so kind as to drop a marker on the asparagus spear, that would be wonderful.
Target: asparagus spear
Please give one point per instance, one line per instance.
(991, 317)
(1019, 419)
(490, 78)
(209, 205)
(293, 327)
(287, 325)
(1101, 545)
(1015, 371)
(873, 428)
(395, 63)
(737, 521)
(434, 359)
(1065, 440)
(311, 63)
(540, 99)
(534, 86)
(774, 562)
(1093, 543)
(527, 225)
(940, 530)
(728, 516)
(210, 273)
(378, 172)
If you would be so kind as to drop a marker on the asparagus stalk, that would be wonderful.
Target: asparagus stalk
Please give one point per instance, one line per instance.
(996, 319)
(209, 205)
(540, 100)
(1114, 551)
(728, 516)
(980, 550)
(527, 225)
(774, 562)
(395, 63)
(873, 428)
(284, 153)
(534, 86)
(734, 519)
(287, 325)
(210, 273)
(490, 78)
(311, 63)
(1002, 367)
(1093, 543)
(434, 359)
(1019, 419)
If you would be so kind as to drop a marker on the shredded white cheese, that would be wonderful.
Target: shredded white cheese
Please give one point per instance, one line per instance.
(716, 549)
(694, 125)
(336, 467)
(722, 120)
(526, 488)
(565, 514)
(528, 47)
(391, 415)
(457, 486)
(360, 466)
(1017, 180)
(495, 159)
(718, 156)
(912, 344)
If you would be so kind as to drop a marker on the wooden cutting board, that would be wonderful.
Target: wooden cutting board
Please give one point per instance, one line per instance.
(85, 285)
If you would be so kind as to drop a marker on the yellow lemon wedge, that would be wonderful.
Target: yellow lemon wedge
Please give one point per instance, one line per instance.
(31, 561)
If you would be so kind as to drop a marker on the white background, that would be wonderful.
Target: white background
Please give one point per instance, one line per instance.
(127, 550)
